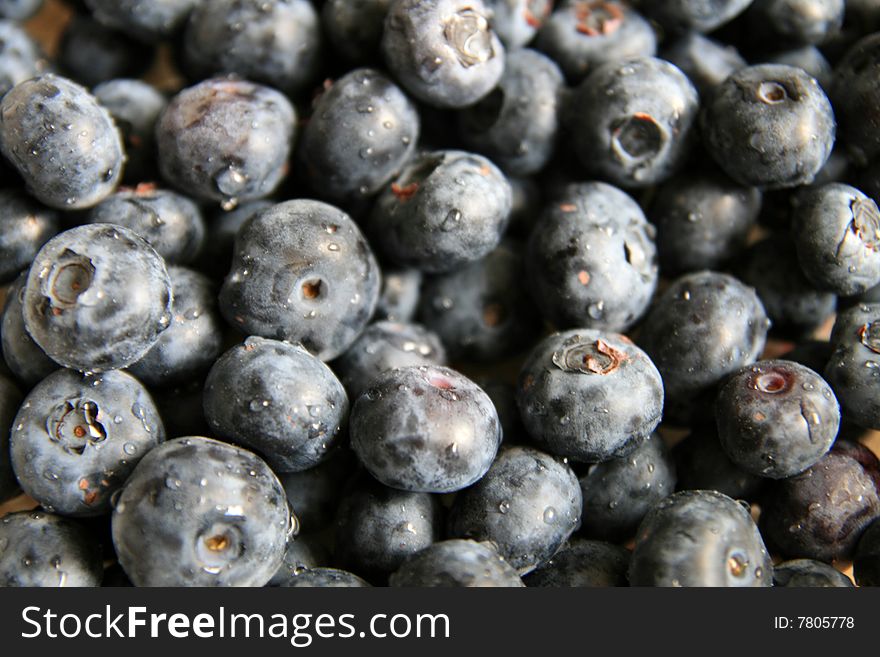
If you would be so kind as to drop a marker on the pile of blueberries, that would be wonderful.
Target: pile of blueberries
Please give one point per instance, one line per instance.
(398, 292)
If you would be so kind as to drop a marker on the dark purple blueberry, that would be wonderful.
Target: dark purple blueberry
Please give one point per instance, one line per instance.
(483, 311)
(703, 327)
(354, 28)
(442, 51)
(583, 563)
(836, 230)
(425, 429)
(580, 36)
(22, 355)
(378, 527)
(92, 53)
(517, 21)
(10, 400)
(705, 61)
(699, 15)
(361, 133)
(527, 505)
(45, 550)
(97, 298)
(302, 271)
(210, 149)
(148, 20)
(853, 369)
(385, 346)
(445, 209)
(619, 492)
(199, 512)
(769, 126)
(277, 399)
(589, 395)
(456, 564)
(700, 538)
(325, 578)
(76, 439)
(821, 513)
(315, 494)
(25, 226)
(776, 418)
(20, 56)
(591, 260)
(703, 220)
(866, 564)
(808, 573)
(61, 141)
(276, 43)
(632, 120)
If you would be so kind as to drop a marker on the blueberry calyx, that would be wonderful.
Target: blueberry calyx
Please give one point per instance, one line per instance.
(866, 222)
(598, 18)
(772, 382)
(772, 93)
(467, 31)
(69, 278)
(869, 334)
(638, 137)
(74, 424)
(597, 357)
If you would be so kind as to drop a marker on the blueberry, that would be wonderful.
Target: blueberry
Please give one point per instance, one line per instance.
(776, 418)
(76, 438)
(325, 578)
(527, 504)
(583, 563)
(792, 302)
(278, 399)
(589, 395)
(425, 429)
(209, 148)
(22, 355)
(215, 515)
(20, 56)
(591, 259)
(698, 15)
(483, 311)
(516, 124)
(41, 549)
(701, 464)
(149, 20)
(855, 94)
(216, 255)
(362, 131)
(10, 399)
(808, 573)
(821, 513)
(703, 220)
(276, 43)
(25, 226)
(445, 209)
(769, 126)
(135, 107)
(836, 230)
(303, 553)
(378, 527)
(442, 51)
(354, 27)
(618, 493)
(302, 271)
(97, 297)
(631, 120)
(699, 538)
(810, 59)
(854, 363)
(705, 61)
(19, 10)
(316, 493)
(193, 341)
(866, 564)
(399, 297)
(42, 122)
(169, 222)
(92, 53)
(582, 35)
(503, 396)
(517, 21)
(797, 21)
(815, 354)
(384, 346)
(705, 326)
(456, 563)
